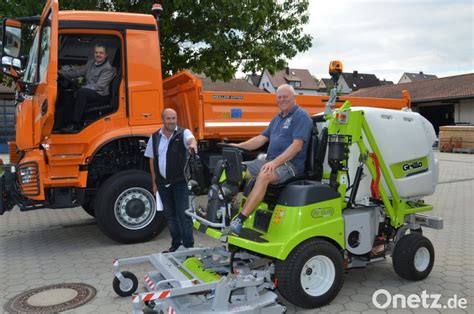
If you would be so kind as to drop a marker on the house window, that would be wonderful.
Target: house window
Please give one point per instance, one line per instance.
(295, 83)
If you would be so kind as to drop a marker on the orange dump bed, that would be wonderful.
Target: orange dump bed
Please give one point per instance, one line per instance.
(239, 115)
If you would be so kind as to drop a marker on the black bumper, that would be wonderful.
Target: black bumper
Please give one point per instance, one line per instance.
(6, 188)
(10, 194)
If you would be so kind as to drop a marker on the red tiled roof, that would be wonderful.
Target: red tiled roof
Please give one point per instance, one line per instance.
(384, 82)
(287, 75)
(234, 85)
(452, 87)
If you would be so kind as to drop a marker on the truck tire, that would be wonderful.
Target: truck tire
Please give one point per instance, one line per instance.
(413, 257)
(125, 208)
(89, 208)
(312, 275)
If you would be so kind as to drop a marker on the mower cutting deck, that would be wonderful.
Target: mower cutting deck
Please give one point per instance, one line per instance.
(201, 280)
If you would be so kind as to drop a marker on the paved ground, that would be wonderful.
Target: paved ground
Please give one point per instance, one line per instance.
(54, 246)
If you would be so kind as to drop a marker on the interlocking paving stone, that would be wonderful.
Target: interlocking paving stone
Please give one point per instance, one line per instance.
(48, 246)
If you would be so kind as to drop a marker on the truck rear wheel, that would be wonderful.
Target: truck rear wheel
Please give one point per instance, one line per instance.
(125, 208)
(413, 257)
(311, 276)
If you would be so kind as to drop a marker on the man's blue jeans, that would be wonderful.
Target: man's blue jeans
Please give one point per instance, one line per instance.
(175, 199)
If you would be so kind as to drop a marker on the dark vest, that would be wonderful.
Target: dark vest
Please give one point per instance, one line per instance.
(175, 158)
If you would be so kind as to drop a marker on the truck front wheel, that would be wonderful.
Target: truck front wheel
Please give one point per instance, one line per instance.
(89, 209)
(125, 208)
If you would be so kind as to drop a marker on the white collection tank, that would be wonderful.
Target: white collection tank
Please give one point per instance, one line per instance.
(405, 141)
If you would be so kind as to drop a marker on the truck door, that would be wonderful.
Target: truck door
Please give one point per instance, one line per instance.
(47, 72)
(145, 89)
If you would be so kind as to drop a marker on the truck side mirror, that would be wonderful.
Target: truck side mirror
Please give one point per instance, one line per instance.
(11, 38)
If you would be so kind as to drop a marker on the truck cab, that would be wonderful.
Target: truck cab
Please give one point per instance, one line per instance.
(60, 169)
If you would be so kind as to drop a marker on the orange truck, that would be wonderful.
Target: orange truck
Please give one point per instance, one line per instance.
(101, 166)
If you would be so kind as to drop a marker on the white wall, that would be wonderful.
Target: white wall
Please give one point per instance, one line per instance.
(265, 83)
(342, 86)
(464, 111)
(404, 79)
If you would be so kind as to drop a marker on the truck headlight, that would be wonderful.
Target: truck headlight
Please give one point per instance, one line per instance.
(27, 175)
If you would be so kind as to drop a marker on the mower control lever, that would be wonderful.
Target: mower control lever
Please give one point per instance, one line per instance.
(228, 145)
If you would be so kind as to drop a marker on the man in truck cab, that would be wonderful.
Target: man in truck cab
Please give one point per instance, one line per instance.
(288, 135)
(167, 149)
(98, 75)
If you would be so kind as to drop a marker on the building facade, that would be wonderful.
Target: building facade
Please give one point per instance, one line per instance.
(408, 77)
(301, 80)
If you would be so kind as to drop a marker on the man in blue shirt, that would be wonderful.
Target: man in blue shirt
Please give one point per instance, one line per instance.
(288, 136)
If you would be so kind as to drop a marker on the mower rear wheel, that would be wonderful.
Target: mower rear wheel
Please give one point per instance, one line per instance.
(311, 276)
(413, 257)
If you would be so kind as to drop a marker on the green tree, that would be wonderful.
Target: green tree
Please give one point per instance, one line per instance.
(214, 37)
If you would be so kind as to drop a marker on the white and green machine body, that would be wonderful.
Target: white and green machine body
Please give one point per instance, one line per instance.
(359, 201)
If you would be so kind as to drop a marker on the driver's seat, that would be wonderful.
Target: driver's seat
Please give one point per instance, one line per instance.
(313, 167)
(101, 108)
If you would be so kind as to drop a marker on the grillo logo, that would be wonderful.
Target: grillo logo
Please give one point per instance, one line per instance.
(412, 166)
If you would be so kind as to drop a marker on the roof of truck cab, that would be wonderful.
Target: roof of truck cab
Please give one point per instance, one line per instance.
(95, 17)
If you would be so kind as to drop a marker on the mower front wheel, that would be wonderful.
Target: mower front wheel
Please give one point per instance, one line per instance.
(128, 286)
(413, 257)
(311, 276)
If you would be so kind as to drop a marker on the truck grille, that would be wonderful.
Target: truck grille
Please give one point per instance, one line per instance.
(28, 178)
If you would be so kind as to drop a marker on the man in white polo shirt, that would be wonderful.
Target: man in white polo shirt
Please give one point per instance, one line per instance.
(167, 149)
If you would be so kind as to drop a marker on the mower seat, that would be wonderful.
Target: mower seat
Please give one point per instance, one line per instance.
(313, 167)
(314, 157)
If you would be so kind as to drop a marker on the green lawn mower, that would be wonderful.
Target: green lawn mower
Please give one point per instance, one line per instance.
(359, 201)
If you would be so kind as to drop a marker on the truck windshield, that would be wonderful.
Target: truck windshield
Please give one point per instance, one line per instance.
(43, 40)
(30, 71)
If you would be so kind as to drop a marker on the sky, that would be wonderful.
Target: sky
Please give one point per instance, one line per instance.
(390, 37)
